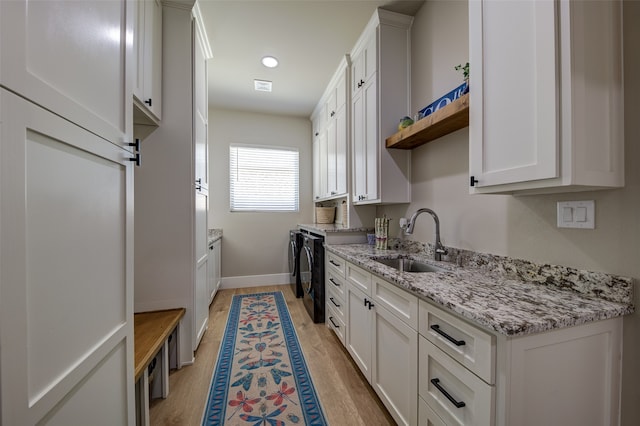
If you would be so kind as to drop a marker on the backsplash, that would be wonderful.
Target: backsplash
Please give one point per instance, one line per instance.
(609, 287)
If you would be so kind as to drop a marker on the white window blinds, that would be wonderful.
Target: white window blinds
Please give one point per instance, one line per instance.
(263, 179)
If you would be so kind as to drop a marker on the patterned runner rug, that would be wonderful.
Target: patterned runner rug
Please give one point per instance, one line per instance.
(261, 377)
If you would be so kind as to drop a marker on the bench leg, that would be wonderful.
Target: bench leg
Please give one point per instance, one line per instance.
(165, 368)
(142, 399)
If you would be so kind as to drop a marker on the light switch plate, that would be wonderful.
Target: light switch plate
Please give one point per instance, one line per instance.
(576, 214)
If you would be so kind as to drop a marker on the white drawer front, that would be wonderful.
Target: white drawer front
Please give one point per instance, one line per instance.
(335, 284)
(335, 302)
(470, 346)
(336, 323)
(359, 278)
(399, 302)
(335, 264)
(440, 375)
(426, 416)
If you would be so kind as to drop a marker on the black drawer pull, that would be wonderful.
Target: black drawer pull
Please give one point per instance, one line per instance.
(333, 323)
(334, 263)
(334, 283)
(436, 383)
(334, 302)
(436, 328)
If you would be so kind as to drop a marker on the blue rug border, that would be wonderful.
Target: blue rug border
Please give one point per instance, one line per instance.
(219, 388)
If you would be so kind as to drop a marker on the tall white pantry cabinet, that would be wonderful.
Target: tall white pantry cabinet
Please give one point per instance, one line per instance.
(171, 253)
(66, 213)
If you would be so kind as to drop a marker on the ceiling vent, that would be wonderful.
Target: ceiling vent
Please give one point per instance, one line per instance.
(262, 85)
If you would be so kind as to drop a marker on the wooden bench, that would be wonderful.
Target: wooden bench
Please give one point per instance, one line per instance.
(151, 332)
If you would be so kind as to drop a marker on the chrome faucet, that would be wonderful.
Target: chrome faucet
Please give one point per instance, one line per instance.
(439, 248)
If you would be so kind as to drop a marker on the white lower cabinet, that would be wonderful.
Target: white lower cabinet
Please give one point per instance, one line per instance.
(452, 372)
(383, 344)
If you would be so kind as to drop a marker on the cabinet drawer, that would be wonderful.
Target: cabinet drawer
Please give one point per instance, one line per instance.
(455, 394)
(399, 302)
(336, 323)
(336, 265)
(360, 278)
(470, 346)
(426, 416)
(335, 283)
(336, 302)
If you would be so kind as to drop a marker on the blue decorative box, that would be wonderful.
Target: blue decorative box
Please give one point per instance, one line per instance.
(444, 100)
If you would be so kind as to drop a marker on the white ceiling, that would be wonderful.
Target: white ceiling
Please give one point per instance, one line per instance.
(309, 38)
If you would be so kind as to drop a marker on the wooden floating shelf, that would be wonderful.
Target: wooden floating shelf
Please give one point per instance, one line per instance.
(446, 120)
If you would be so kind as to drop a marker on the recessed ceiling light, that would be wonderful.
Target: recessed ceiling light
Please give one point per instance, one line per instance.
(262, 85)
(269, 62)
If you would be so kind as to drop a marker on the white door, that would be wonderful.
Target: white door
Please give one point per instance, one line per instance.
(66, 255)
(394, 365)
(359, 329)
(200, 120)
(341, 150)
(513, 45)
(359, 149)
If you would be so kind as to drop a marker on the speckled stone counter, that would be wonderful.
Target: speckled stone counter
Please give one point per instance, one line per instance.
(214, 235)
(512, 297)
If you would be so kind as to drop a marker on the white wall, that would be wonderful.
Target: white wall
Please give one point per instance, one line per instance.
(525, 226)
(255, 243)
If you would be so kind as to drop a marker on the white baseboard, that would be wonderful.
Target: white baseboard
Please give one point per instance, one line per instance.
(255, 280)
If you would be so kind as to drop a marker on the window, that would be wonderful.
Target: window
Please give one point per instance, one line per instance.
(263, 179)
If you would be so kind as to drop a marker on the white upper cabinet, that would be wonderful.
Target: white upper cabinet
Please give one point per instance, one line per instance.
(380, 98)
(546, 104)
(71, 58)
(330, 137)
(147, 88)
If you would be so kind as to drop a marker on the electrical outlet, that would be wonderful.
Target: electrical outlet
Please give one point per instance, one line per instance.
(576, 214)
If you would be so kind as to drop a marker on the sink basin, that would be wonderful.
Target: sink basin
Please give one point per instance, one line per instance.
(409, 265)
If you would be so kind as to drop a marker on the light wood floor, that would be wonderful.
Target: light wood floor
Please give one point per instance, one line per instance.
(345, 395)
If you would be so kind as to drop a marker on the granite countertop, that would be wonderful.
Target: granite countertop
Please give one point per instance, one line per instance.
(509, 296)
(333, 227)
(214, 235)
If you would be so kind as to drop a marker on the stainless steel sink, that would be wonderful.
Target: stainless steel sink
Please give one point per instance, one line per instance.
(409, 265)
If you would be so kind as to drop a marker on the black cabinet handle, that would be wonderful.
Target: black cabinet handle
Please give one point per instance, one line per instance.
(365, 302)
(334, 302)
(148, 102)
(135, 144)
(135, 159)
(436, 328)
(458, 404)
(371, 305)
(334, 263)
(473, 181)
(368, 304)
(334, 324)
(334, 283)
(332, 114)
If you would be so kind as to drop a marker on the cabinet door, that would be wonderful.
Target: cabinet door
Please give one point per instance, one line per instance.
(66, 255)
(211, 273)
(332, 157)
(72, 58)
(218, 264)
(200, 113)
(341, 151)
(359, 329)
(365, 142)
(153, 56)
(394, 365)
(370, 94)
(316, 167)
(201, 293)
(359, 151)
(514, 53)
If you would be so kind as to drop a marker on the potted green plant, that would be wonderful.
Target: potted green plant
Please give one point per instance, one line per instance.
(465, 74)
